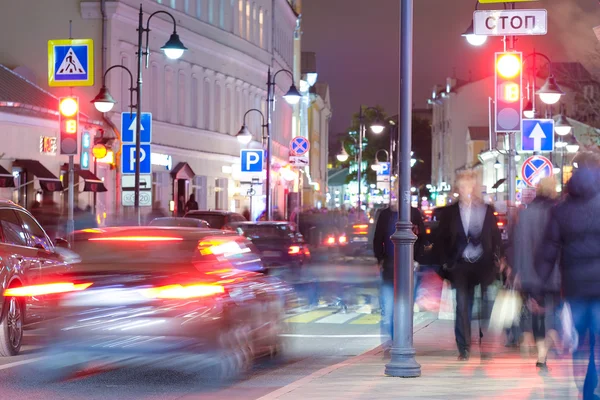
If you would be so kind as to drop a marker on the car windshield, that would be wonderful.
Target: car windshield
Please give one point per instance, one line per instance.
(214, 220)
(182, 222)
(265, 231)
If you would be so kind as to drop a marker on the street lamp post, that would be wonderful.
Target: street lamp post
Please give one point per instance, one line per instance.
(104, 102)
(377, 127)
(403, 362)
(292, 97)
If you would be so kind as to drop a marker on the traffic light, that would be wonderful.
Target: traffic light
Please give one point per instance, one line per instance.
(509, 106)
(68, 119)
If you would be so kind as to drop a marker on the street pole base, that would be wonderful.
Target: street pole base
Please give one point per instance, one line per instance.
(403, 364)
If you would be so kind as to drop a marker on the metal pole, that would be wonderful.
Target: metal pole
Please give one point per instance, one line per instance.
(70, 218)
(512, 177)
(359, 165)
(562, 169)
(391, 161)
(270, 93)
(138, 118)
(95, 193)
(403, 363)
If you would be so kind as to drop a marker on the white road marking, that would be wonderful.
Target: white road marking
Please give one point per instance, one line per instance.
(298, 335)
(22, 362)
(337, 318)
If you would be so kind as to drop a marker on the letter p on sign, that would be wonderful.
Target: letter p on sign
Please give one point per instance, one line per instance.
(251, 160)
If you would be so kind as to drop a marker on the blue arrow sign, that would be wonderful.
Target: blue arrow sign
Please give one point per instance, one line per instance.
(128, 159)
(537, 135)
(128, 126)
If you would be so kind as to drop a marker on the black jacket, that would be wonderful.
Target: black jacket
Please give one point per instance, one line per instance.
(383, 247)
(451, 241)
(575, 229)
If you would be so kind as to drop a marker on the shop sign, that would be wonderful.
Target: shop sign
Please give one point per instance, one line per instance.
(162, 160)
(48, 145)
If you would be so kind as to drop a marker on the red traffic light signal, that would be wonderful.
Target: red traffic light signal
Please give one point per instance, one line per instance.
(509, 106)
(68, 111)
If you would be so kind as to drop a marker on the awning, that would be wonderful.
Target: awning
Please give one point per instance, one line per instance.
(92, 182)
(7, 180)
(48, 182)
(183, 171)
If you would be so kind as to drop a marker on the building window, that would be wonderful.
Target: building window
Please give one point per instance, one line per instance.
(232, 11)
(173, 4)
(222, 14)
(254, 25)
(198, 9)
(186, 6)
(247, 20)
(125, 83)
(206, 98)
(154, 95)
(218, 106)
(228, 95)
(211, 11)
(261, 28)
(181, 97)
(169, 117)
(241, 17)
(194, 102)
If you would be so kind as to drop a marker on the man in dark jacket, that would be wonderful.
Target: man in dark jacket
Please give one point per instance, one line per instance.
(574, 230)
(383, 247)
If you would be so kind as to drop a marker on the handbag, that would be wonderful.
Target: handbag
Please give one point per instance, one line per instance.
(570, 338)
(506, 311)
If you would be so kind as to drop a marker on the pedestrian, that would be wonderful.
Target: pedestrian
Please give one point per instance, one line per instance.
(528, 239)
(383, 248)
(192, 204)
(573, 236)
(181, 206)
(246, 214)
(468, 246)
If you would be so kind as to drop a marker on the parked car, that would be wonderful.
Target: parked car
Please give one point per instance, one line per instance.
(216, 219)
(279, 243)
(27, 258)
(179, 222)
(175, 298)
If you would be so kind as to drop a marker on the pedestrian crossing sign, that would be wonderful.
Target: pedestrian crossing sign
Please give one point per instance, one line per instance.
(71, 62)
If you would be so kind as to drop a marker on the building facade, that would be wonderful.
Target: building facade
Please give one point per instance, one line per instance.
(197, 102)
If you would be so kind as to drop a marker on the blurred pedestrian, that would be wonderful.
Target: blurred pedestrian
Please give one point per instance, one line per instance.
(468, 245)
(528, 239)
(574, 235)
(192, 204)
(383, 248)
(246, 214)
(181, 206)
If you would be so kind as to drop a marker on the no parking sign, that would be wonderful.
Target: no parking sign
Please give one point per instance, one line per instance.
(536, 168)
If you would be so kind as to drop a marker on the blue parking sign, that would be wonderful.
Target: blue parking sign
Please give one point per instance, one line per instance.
(252, 160)
(384, 169)
(128, 159)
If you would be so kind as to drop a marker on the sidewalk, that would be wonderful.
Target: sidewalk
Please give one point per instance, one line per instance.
(506, 376)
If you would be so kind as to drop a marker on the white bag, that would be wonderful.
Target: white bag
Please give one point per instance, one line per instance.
(506, 311)
(570, 338)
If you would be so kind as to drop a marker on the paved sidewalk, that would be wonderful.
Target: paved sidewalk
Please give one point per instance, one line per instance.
(507, 376)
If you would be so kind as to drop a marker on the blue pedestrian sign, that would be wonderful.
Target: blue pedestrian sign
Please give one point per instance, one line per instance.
(537, 135)
(299, 146)
(536, 168)
(252, 160)
(128, 126)
(128, 159)
(384, 169)
(71, 62)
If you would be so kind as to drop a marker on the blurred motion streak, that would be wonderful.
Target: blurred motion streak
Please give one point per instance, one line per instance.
(39, 290)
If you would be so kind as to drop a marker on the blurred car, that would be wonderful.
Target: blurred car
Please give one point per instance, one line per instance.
(27, 257)
(279, 243)
(173, 298)
(216, 219)
(179, 222)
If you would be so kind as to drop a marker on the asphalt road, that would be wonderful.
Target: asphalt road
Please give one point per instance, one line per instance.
(317, 336)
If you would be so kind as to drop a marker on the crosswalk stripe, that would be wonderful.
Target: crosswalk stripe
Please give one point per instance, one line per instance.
(309, 316)
(368, 319)
(337, 318)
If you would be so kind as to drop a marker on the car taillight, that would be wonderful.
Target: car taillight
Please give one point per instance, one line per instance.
(50, 288)
(428, 231)
(221, 247)
(183, 291)
(500, 223)
(136, 239)
(294, 250)
(342, 239)
(330, 240)
(361, 226)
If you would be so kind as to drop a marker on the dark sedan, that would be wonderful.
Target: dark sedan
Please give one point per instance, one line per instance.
(279, 243)
(177, 298)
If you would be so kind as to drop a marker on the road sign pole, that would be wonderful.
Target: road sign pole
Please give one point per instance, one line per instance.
(270, 94)
(70, 217)
(138, 119)
(403, 363)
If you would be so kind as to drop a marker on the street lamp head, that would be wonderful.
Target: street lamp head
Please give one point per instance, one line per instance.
(375, 167)
(572, 145)
(244, 136)
(560, 144)
(563, 127)
(472, 38)
(528, 110)
(550, 93)
(343, 156)
(292, 97)
(174, 48)
(377, 127)
(104, 102)
(497, 164)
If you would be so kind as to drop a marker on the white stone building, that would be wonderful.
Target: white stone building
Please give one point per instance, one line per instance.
(197, 101)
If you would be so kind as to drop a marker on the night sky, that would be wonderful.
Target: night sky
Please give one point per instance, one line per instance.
(357, 46)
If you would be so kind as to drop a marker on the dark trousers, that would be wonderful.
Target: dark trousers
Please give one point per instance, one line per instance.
(586, 318)
(465, 277)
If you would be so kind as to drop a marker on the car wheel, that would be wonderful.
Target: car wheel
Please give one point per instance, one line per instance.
(11, 327)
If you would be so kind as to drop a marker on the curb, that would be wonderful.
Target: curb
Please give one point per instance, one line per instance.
(427, 320)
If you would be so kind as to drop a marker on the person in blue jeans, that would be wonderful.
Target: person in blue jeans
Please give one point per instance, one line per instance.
(383, 249)
(574, 235)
